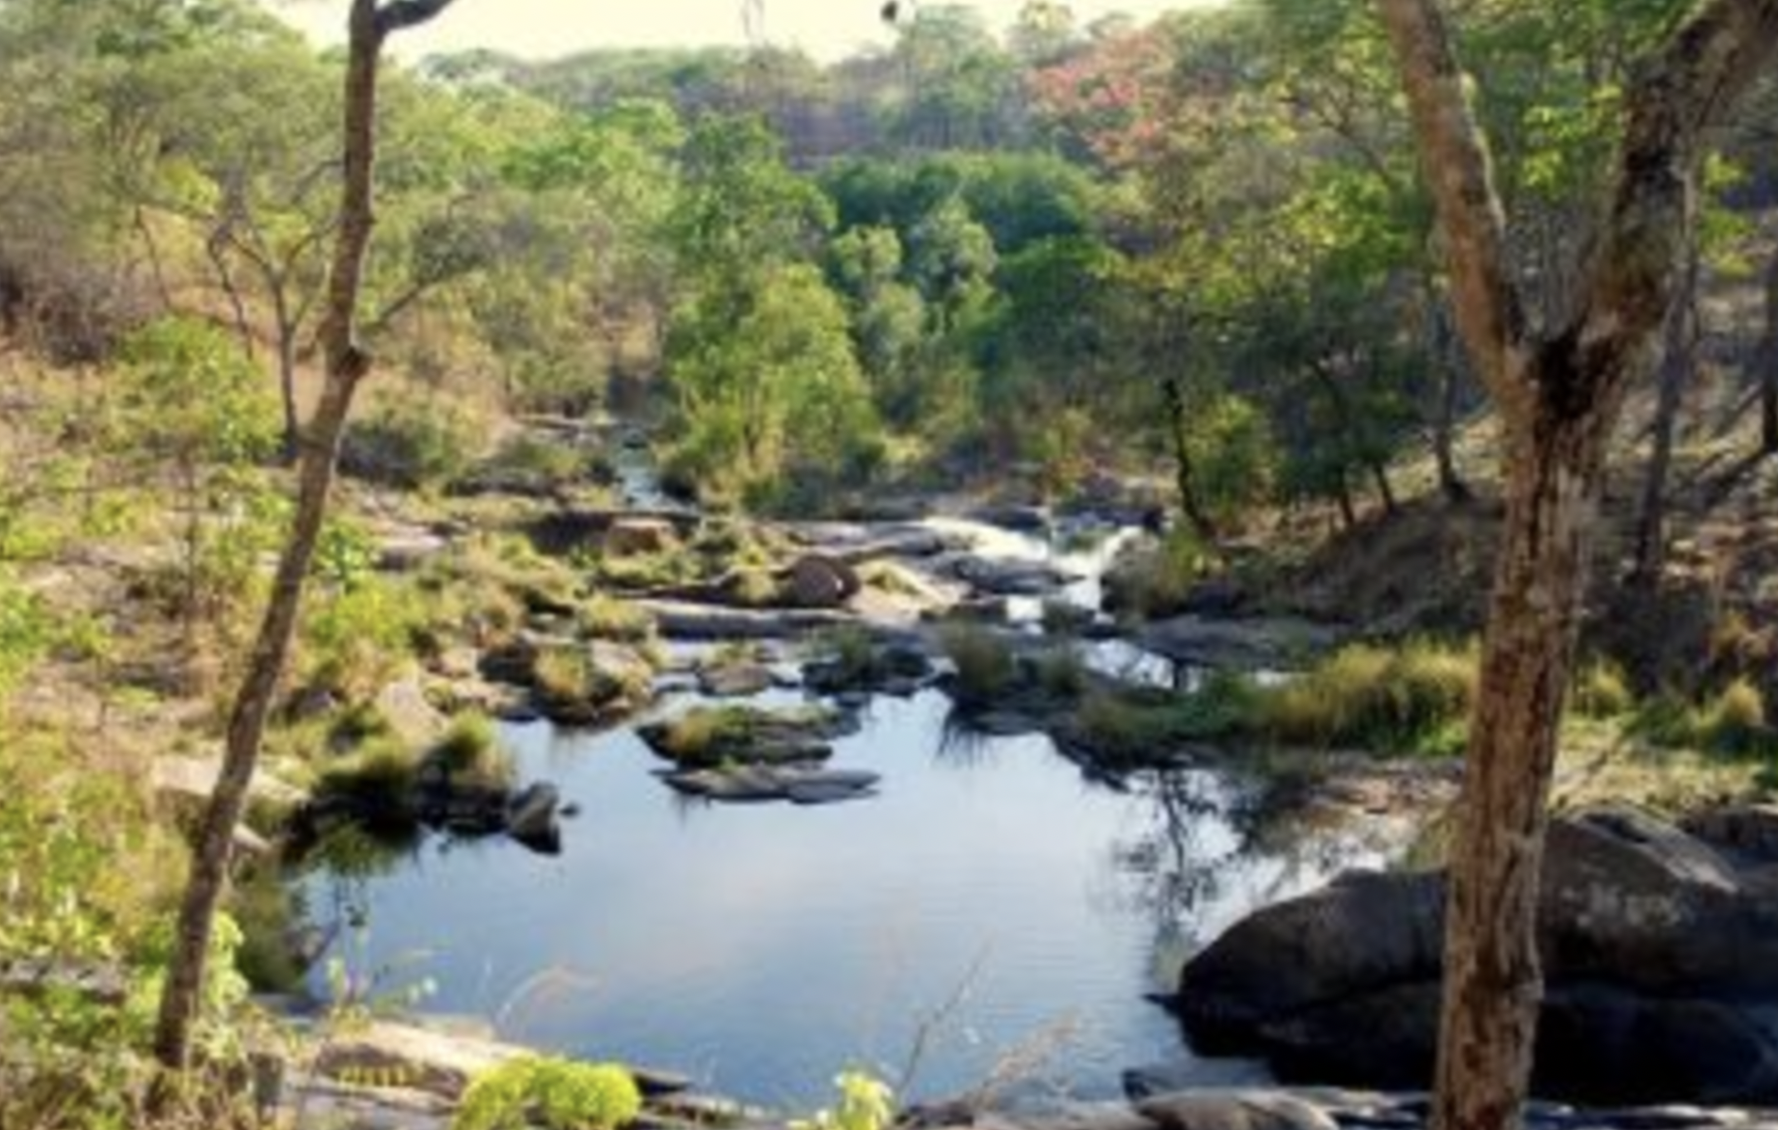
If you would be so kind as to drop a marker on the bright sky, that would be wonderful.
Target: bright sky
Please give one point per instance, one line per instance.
(546, 28)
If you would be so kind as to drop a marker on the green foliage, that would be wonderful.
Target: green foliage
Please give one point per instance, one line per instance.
(866, 1103)
(26, 631)
(412, 442)
(356, 639)
(555, 1094)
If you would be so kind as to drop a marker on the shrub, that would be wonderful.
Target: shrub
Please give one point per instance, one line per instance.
(866, 1103)
(411, 443)
(556, 1094)
(984, 662)
(1155, 580)
(356, 639)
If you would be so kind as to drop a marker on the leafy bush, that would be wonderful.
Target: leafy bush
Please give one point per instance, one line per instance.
(866, 1103)
(555, 1094)
(411, 443)
(355, 639)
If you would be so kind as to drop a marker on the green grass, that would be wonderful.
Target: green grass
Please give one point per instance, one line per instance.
(1730, 723)
(471, 754)
(1381, 699)
(381, 773)
(985, 665)
(606, 617)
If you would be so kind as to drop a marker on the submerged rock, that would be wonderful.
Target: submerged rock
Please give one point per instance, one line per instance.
(1660, 955)
(532, 818)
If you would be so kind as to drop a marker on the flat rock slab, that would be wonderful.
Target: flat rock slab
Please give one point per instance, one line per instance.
(1246, 643)
(1234, 1110)
(688, 620)
(195, 777)
(754, 784)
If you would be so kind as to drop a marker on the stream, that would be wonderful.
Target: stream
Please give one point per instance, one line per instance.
(990, 910)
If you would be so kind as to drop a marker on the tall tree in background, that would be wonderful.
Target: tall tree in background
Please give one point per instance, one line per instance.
(1559, 393)
(372, 23)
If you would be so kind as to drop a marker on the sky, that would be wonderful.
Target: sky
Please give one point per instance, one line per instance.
(827, 29)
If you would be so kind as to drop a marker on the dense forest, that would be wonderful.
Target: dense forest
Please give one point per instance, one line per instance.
(1408, 384)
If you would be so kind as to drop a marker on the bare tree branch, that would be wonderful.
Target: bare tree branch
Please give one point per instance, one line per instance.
(1455, 159)
(1685, 92)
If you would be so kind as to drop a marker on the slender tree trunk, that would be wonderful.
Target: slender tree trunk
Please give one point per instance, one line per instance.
(1348, 509)
(1385, 491)
(216, 248)
(1492, 980)
(1184, 478)
(1447, 351)
(1678, 362)
(1765, 357)
(347, 365)
(287, 331)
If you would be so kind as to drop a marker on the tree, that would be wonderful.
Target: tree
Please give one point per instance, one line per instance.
(1559, 393)
(372, 22)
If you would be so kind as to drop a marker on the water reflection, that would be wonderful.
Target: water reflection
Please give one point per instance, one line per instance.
(766, 946)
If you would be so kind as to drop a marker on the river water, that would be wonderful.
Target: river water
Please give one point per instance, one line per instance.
(992, 906)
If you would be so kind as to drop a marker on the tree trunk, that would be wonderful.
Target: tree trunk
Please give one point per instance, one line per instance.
(287, 331)
(1678, 361)
(1173, 392)
(347, 365)
(1447, 352)
(1492, 981)
(1385, 491)
(1766, 359)
(1558, 395)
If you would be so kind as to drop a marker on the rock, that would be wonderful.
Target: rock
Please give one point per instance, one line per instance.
(706, 738)
(634, 536)
(1249, 643)
(410, 1057)
(802, 785)
(818, 581)
(735, 680)
(1233, 1110)
(1364, 933)
(1019, 519)
(1011, 576)
(1749, 830)
(407, 550)
(531, 818)
(194, 778)
(684, 620)
(410, 715)
(1660, 956)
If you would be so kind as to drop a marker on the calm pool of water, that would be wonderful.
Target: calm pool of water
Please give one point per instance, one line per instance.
(989, 897)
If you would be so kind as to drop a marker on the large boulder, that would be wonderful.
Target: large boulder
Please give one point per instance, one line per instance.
(639, 535)
(1661, 961)
(815, 580)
